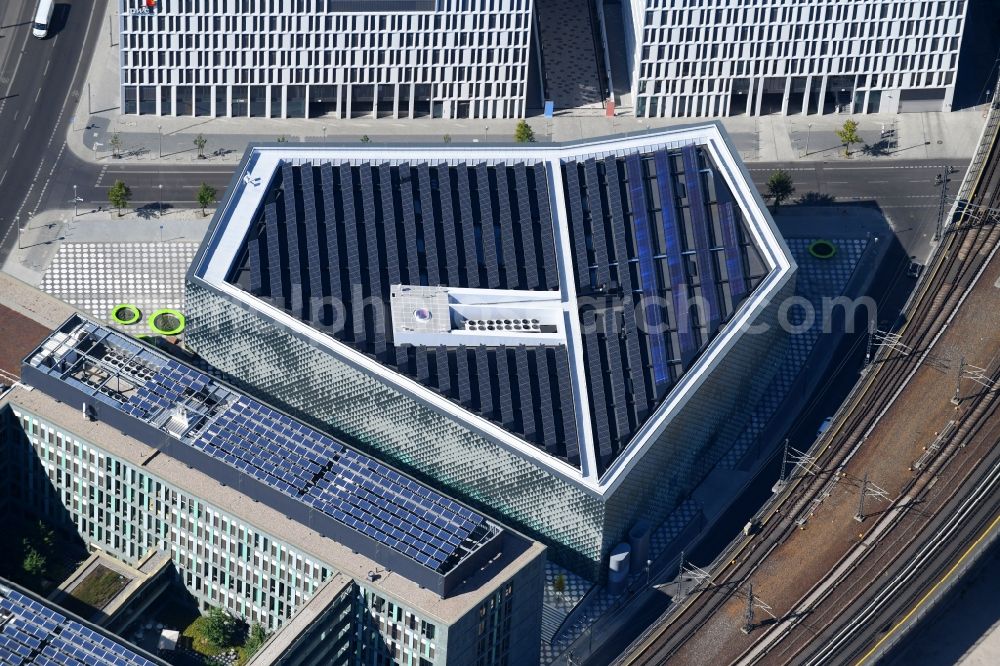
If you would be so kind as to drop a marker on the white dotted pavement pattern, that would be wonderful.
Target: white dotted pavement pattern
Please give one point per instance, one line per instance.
(95, 277)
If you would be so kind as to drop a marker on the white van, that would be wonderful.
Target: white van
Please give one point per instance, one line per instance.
(43, 18)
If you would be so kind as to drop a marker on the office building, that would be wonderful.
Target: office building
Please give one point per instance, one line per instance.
(559, 335)
(136, 451)
(735, 57)
(310, 58)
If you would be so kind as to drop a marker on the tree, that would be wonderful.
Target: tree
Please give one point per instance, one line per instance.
(848, 134)
(116, 145)
(255, 638)
(365, 139)
(35, 564)
(559, 583)
(220, 628)
(523, 132)
(780, 187)
(447, 138)
(282, 139)
(206, 196)
(200, 142)
(118, 195)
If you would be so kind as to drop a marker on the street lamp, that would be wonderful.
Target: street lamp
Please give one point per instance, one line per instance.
(159, 132)
(17, 223)
(324, 133)
(808, 134)
(75, 203)
(160, 186)
(486, 136)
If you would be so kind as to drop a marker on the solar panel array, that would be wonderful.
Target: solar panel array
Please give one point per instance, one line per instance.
(648, 236)
(261, 443)
(358, 229)
(35, 634)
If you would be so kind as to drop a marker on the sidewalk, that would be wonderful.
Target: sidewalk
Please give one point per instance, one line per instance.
(765, 139)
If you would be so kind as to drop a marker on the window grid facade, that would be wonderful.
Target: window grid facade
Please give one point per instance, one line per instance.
(305, 58)
(731, 57)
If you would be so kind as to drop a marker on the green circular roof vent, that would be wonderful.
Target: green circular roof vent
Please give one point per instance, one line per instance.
(822, 249)
(125, 314)
(166, 322)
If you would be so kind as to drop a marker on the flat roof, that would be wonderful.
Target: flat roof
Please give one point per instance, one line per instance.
(35, 631)
(517, 552)
(642, 257)
(275, 458)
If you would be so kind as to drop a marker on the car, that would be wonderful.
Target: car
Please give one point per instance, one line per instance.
(824, 426)
(915, 269)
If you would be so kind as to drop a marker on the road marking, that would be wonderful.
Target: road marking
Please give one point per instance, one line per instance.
(4, 177)
(27, 122)
(836, 182)
(38, 94)
(15, 149)
(46, 70)
(873, 182)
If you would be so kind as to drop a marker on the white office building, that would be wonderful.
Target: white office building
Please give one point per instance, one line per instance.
(308, 58)
(702, 58)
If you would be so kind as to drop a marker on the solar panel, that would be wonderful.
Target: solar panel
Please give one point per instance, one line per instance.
(675, 266)
(253, 258)
(488, 234)
(273, 250)
(371, 223)
(571, 175)
(443, 369)
(566, 394)
(619, 401)
(468, 232)
(423, 371)
(523, 376)
(352, 243)
(291, 218)
(409, 225)
(503, 386)
(314, 262)
(647, 274)
(526, 225)
(596, 210)
(696, 204)
(448, 223)
(332, 242)
(507, 233)
(596, 375)
(734, 259)
(462, 375)
(550, 267)
(389, 223)
(483, 377)
(428, 225)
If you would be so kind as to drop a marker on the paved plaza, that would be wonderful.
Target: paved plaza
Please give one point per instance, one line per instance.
(94, 277)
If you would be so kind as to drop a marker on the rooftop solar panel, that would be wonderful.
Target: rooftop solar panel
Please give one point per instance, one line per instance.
(428, 225)
(675, 266)
(598, 400)
(467, 221)
(612, 343)
(647, 275)
(503, 386)
(526, 225)
(374, 286)
(290, 218)
(462, 375)
(488, 235)
(409, 224)
(696, 203)
(443, 369)
(314, 262)
(550, 267)
(508, 236)
(448, 223)
(484, 379)
(567, 407)
(256, 279)
(388, 220)
(571, 171)
(527, 408)
(332, 241)
(734, 259)
(596, 211)
(273, 251)
(352, 242)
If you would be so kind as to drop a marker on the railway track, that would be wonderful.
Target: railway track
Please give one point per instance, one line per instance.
(960, 259)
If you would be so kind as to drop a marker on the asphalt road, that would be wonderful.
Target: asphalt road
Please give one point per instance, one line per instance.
(904, 190)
